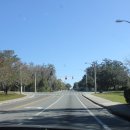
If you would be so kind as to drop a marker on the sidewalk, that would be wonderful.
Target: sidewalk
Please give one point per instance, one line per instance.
(27, 95)
(122, 110)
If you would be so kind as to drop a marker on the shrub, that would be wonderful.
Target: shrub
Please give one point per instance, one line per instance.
(127, 95)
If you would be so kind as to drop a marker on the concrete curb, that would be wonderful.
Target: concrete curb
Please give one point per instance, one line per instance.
(113, 111)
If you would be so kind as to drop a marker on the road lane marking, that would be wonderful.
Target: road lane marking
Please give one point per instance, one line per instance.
(30, 118)
(20, 124)
(33, 107)
(32, 96)
(49, 106)
(94, 116)
(30, 103)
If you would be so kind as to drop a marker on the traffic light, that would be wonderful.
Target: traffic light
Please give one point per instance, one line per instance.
(66, 78)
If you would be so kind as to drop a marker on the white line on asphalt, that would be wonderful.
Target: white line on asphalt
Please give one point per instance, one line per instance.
(33, 107)
(32, 96)
(20, 123)
(48, 106)
(92, 114)
(30, 118)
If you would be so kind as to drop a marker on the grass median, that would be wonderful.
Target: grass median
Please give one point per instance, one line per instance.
(9, 96)
(116, 96)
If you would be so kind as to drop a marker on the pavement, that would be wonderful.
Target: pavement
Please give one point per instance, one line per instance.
(65, 109)
(119, 109)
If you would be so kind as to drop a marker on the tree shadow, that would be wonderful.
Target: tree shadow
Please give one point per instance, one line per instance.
(48, 110)
(121, 110)
(66, 118)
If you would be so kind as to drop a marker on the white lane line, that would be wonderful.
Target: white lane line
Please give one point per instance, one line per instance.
(33, 107)
(32, 96)
(20, 123)
(49, 106)
(92, 114)
(30, 118)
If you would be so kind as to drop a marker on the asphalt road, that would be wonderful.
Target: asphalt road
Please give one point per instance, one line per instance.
(65, 109)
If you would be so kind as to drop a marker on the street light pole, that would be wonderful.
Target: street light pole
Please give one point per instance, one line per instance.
(35, 82)
(86, 77)
(21, 81)
(95, 78)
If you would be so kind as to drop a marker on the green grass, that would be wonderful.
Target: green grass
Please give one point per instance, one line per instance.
(113, 96)
(9, 96)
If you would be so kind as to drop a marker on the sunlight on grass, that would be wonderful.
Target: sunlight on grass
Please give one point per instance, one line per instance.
(113, 96)
(10, 96)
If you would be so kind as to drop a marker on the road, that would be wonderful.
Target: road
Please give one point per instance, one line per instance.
(66, 109)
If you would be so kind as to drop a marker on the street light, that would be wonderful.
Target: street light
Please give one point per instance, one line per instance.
(95, 76)
(35, 75)
(119, 21)
(86, 75)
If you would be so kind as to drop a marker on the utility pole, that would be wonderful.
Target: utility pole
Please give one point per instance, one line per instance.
(95, 77)
(35, 82)
(86, 77)
(21, 81)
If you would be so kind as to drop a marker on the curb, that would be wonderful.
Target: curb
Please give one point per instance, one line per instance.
(115, 112)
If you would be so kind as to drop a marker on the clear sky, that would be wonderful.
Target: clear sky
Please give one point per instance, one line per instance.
(66, 33)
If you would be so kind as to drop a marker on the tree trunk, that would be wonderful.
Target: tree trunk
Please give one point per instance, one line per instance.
(6, 90)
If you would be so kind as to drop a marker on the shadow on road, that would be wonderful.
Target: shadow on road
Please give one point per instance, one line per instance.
(78, 118)
(122, 110)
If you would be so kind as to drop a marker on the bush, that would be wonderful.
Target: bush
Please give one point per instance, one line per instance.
(127, 95)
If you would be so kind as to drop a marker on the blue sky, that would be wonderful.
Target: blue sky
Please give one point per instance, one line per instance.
(66, 33)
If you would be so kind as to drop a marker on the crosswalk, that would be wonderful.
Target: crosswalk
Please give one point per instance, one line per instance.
(63, 92)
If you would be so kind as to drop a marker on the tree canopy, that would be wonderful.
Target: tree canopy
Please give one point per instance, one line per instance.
(111, 75)
(14, 73)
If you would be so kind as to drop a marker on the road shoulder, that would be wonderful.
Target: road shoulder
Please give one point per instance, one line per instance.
(121, 110)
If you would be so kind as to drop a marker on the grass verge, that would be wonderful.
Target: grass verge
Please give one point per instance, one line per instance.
(10, 96)
(112, 96)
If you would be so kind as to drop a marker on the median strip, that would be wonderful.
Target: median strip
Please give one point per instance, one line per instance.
(10, 96)
(33, 102)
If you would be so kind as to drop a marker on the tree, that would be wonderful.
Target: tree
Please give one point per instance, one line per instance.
(76, 87)
(14, 74)
(111, 75)
(7, 68)
(68, 86)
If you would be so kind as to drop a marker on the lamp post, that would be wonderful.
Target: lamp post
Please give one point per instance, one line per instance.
(21, 81)
(35, 82)
(95, 77)
(86, 76)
